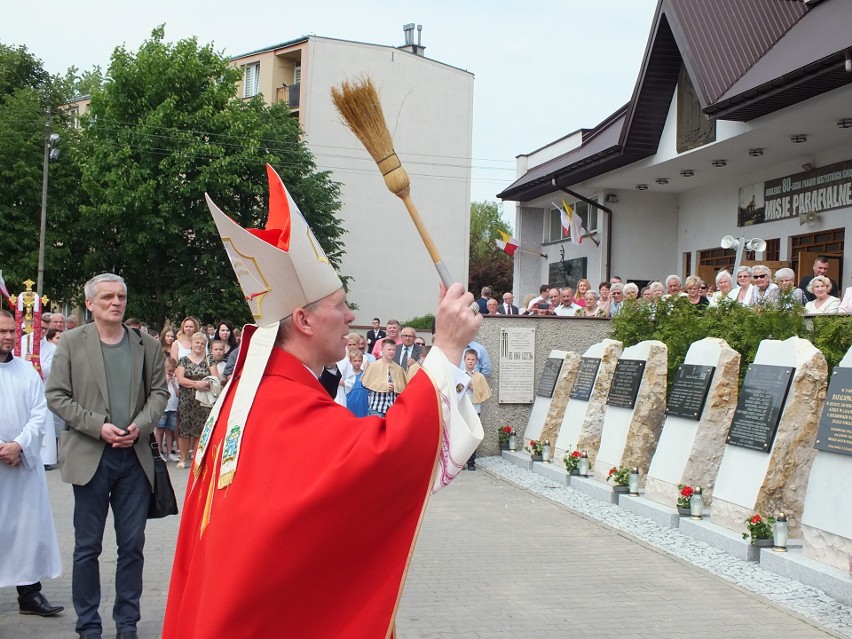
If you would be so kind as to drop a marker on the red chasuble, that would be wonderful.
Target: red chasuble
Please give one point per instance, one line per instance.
(314, 535)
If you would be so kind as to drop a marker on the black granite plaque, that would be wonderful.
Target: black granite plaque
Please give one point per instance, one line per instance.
(585, 379)
(547, 381)
(625, 383)
(835, 425)
(689, 391)
(759, 407)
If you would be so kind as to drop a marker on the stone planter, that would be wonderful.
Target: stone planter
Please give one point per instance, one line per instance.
(536, 457)
(763, 543)
(504, 445)
(684, 512)
(620, 489)
(574, 472)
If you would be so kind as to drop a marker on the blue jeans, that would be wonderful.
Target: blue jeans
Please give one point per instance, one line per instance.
(119, 482)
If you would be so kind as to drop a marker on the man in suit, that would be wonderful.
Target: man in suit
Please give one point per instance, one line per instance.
(375, 334)
(820, 268)
(508, 308)
(408, 352)
(485, 295)
(108, 384)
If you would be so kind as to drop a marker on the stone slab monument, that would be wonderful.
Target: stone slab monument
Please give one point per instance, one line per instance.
(583, 420)
(770, 445)
(636, 407)
(561, 396)
(543, 396)
(701, 403)
(827, 515)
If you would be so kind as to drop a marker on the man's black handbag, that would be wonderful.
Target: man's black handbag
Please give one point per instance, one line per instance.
(163, 500)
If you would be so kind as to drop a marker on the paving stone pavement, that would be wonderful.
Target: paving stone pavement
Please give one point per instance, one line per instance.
(492, 561)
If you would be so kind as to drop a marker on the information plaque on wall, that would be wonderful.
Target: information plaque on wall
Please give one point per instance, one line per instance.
(584, 382)
(759, 407)
(835, 425)
(625, 383)
(549, 377)
(689, 391)
(516, 384)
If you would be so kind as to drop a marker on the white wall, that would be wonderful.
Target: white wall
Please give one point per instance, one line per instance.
(645, 231)
(530, 270)
(428, 107)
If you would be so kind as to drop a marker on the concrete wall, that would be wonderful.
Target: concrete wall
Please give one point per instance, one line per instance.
(551, 333)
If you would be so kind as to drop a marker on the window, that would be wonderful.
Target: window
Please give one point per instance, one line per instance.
(252, 80)
(297, 75)
(553, 231)
(720, 258)
(588, 220)
(588, 215)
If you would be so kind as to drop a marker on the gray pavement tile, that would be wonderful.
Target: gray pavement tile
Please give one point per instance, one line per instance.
(494, 561)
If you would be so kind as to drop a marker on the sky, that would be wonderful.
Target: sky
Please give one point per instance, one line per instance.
(543, 68)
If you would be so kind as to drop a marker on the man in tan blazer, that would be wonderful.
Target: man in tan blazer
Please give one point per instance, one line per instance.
(108, 385)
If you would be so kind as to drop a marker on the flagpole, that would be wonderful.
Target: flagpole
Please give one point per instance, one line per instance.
(531, 251)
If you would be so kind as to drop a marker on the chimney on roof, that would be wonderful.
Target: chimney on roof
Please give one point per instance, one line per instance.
(410, 45)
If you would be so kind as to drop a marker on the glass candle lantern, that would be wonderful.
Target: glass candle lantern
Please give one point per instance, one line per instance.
(633, 483)
(583, 466)
(780, 533)
(513, 440)
(546, 452)
(696, 504)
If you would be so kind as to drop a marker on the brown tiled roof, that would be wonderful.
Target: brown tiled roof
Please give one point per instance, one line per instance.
(746, 58)
(808, 60)
(721, 39)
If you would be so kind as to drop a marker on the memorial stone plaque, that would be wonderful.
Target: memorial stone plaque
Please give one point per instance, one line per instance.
(549, 376)
(759, 407)
(584, 382)
(689, 391)
(835, 425)
(625, 383)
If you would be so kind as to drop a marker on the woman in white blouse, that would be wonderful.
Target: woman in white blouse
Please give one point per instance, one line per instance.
(824, 303)
(724, 284)
(742, 293)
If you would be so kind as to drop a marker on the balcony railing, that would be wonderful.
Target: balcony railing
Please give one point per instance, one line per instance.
(288, 94)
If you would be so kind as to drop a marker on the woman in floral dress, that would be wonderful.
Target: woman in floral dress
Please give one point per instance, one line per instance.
(191, 371)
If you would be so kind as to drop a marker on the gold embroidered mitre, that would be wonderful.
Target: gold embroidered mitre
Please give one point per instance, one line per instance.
(280, 268)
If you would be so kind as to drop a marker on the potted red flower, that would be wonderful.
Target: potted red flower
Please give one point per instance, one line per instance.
(683, 501)
(503, 434)
(620, 477)
(759, 529)
(572, 462)
(534, 449)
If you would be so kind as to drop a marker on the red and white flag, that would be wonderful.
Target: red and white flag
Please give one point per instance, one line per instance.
(509, 244)
(570, 223)
(3, 288)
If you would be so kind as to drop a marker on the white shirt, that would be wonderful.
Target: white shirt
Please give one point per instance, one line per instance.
(30, 548)
(567, 311)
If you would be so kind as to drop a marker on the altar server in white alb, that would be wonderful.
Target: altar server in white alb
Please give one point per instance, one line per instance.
(30, 551)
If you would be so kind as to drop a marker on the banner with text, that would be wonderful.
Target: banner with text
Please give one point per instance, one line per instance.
(816, 191)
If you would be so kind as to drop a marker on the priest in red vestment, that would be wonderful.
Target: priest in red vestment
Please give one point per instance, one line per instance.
(300, 519)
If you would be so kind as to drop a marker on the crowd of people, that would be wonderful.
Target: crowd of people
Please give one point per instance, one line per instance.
(751, 286)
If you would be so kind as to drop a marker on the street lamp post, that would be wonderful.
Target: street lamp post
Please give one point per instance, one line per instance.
(50, 153)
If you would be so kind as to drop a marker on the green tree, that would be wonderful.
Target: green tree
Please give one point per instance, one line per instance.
(76, 83)
(27, 94)
(19, 69)
(489, 265)
(163, 131)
